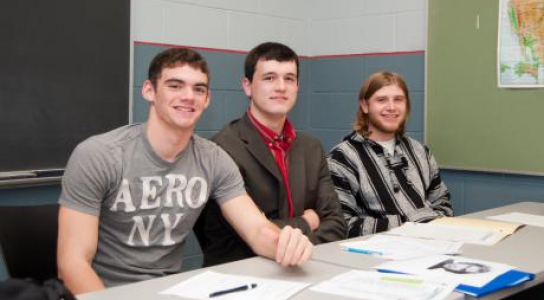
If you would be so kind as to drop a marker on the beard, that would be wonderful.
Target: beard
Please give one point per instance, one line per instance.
(377, 124)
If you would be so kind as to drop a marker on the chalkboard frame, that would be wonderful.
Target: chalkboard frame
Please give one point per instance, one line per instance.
(64, 77)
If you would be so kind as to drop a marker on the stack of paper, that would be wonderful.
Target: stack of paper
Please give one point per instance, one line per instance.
(475, 277)
(435, 231)
(204, 284)
(378, 286)
(399, 247)
(503, 227)
(517, 217)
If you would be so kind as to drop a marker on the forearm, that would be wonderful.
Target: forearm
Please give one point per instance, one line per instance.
(437, 192)
(264, 241)
(77, 244)
(287, 246)
(440, 201)
(292, 247)
(79, 276)
(438, 205)
(332, 225)
(362, 222)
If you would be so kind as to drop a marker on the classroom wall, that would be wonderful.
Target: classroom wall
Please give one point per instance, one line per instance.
(368, 26)
(371, 28)
(226, 25)
(338, 51)
(340, 45)
(226, 31)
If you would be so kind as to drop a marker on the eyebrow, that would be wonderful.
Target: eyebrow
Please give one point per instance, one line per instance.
(387, 96)
(175, 80)
(275, 73)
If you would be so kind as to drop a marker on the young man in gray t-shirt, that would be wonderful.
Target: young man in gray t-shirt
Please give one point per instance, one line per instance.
(131, 196)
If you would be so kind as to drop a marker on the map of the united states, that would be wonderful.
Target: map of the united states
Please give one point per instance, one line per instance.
(526, 24)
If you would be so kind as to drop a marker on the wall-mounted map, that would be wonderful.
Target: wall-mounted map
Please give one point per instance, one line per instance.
(521, 44)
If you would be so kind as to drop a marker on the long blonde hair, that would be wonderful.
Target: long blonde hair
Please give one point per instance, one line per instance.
(372, 84)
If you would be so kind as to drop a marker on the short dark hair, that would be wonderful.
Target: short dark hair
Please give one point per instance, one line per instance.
(268, 51)
(176, 57)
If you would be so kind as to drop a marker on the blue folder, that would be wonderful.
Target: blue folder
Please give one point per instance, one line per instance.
(508, 279)
(505, 280)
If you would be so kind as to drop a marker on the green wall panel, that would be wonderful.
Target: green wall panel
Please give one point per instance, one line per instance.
(471, 124)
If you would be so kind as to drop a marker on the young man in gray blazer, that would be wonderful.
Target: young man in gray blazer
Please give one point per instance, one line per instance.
(285, 172)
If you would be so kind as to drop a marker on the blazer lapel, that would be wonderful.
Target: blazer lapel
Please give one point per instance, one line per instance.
(256, 146)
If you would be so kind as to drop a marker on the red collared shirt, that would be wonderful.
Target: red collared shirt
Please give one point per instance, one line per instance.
(279, 145)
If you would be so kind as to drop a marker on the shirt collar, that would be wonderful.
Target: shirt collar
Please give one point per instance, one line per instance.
(284, 139)
(375, 146)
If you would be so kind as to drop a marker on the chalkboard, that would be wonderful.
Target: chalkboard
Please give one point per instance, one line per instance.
(471, 124)
(64, 76)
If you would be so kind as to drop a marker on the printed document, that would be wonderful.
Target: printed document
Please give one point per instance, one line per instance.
(382, 286)
(206, 283)
(504, 227)
(528, 219)
(400, 247)
(448, 232)
(460, 269)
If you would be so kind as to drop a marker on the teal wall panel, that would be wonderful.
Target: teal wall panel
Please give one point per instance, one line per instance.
(415, 121)
(410, 66)
(332, 75)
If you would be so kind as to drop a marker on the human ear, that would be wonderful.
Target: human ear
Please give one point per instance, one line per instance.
(148, 91)
(246, 85)
(364, 106)
(208, 98)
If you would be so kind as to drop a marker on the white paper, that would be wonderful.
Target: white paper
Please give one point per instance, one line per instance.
(400, 247)
(463, 270)
(517, 217)
(380, 286)
(203, 284)
(447, 232)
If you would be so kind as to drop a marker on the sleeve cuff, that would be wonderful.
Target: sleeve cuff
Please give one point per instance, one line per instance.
(421, 215)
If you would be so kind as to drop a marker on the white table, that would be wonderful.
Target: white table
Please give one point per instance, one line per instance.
(523, 249)
(311, 272)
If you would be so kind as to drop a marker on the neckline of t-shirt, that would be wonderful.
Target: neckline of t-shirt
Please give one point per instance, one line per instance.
(150, 152)
(389, 145)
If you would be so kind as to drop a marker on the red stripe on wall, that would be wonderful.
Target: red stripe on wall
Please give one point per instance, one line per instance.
(300, 56)
(368, 54)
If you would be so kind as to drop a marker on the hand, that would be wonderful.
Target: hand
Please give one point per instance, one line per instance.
(294, 248)
(311, 217)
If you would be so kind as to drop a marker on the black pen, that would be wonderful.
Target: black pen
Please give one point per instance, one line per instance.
(244, 287)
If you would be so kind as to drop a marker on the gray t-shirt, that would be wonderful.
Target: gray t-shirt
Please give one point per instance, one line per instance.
(146, 206)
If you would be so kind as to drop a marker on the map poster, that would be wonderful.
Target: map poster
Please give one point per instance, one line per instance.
(521, 44)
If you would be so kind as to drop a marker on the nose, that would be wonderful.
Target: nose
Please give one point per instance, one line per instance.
(280, 84)
(390, 104)
(188, 92)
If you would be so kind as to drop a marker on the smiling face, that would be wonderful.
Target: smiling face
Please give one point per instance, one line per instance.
(179, 97)
(387, 112)
(272, 90)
